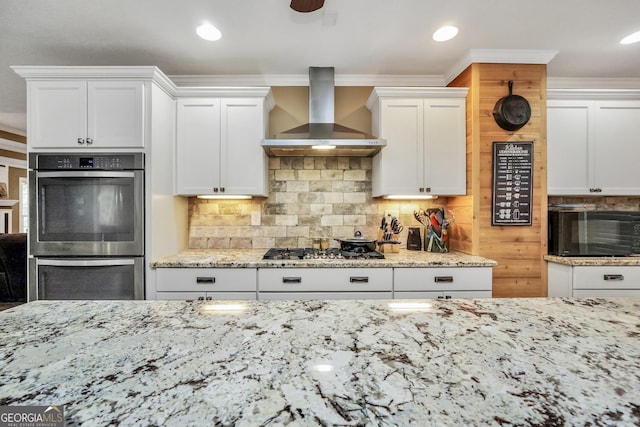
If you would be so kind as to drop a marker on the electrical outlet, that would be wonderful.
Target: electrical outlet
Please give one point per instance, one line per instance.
(255, 218)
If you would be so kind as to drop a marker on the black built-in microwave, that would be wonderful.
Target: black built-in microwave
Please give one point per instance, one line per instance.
(594, 233)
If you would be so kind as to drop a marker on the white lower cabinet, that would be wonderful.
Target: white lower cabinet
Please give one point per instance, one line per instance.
(593, 281)
(445, 283)
(206, 283)
(322, 283)
(325, 283)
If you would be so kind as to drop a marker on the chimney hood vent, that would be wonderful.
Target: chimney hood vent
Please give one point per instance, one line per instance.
(321, 136)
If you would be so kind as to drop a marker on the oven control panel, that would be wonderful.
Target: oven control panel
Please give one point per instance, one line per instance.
(103, 161)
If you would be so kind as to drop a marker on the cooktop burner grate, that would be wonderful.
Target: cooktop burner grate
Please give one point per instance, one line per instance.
(310, 253)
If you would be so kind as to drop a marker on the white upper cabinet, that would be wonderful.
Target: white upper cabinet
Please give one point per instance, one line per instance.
(218, 146)
(425, 131)
(593, 147)
(80, 113)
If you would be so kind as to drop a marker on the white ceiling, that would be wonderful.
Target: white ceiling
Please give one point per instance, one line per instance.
(265, 37)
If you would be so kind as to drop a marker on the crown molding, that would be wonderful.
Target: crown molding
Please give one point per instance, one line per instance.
(16, 147)
(303, 80)
(594, 94)
(152, 73)
(13, 163)
(499, 56)
(415, 92)
(592, 83)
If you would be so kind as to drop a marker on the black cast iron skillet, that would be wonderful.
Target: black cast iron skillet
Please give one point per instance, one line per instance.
(512, 112)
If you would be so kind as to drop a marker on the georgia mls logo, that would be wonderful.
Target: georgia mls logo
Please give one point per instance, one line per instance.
(31, 416)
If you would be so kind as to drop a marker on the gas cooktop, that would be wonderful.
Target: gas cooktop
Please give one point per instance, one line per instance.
(310, 253)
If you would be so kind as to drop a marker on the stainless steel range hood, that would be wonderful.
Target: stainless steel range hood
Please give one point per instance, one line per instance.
(321, 136)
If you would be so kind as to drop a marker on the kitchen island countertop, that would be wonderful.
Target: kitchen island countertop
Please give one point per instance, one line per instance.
(378, 363)
(252, 258)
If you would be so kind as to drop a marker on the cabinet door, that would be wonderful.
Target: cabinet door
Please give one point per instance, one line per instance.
(57, 112)
(115, 114)
(445, 148)
(243, 164)
(198, 146)
(569, 129)
(399, 167)
(617, 142)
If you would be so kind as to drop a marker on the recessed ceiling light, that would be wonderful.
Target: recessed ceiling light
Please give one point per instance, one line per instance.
(208, 32)
(631, 38)
(445, 33)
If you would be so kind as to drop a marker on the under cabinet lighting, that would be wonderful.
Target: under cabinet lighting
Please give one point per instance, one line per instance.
(323, 147)
(410, 306)
(224, 197)
(225, 307)
(208, 32)
(631, 38)
(408, 197)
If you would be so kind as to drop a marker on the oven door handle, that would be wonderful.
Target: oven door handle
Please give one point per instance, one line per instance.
(84, 262)
(86, 174)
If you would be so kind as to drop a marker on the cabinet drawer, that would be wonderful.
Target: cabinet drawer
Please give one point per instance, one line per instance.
(323, 295)
(442, 279)
(606, 277)
(206, 279)
(325, 280)
(195, 296)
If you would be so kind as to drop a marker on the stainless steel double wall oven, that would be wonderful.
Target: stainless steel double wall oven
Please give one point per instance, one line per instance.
(86, 231)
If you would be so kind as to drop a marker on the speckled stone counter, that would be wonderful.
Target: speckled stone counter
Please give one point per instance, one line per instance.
(252, 258)
(593, 261)
(378, 363)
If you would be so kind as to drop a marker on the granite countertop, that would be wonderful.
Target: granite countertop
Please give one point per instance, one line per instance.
(459, 362)
(593, 261)
(252, 258)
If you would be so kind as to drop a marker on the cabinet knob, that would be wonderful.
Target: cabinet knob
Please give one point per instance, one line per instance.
(222, 189)
(428, 189)
(89, 141)
(421, 189)
(215, 189)
(80, 141)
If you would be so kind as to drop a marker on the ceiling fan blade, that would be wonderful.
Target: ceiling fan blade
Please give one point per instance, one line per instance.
(305, 6)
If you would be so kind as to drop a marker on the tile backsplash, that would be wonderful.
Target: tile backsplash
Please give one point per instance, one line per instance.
(308, 197)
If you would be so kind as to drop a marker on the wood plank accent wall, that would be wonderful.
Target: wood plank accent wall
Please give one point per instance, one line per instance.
(519, 250)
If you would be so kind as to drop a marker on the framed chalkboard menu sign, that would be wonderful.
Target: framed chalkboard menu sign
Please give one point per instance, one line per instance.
(512, 183)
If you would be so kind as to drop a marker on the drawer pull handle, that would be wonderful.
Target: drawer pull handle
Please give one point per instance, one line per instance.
(206, 280)
(359, 279)
(443, 279)
(292, 280)
(200, 298)
(618, 277)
